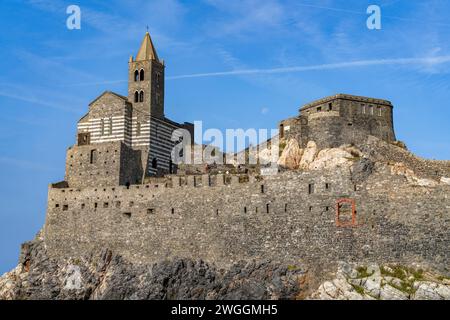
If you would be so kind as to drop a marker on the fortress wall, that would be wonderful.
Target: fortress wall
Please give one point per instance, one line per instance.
(227, 223)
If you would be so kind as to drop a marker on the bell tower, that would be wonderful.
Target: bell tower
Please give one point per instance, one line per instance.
(146, 81)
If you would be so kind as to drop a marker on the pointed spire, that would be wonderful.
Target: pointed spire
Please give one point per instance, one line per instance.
(147, 50)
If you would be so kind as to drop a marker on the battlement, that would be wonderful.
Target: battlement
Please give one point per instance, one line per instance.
(349, 97)
(168, 181)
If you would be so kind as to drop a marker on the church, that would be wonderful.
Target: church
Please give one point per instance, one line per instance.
(123, 139)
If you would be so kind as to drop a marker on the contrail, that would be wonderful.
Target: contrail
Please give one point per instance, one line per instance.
(330, 66)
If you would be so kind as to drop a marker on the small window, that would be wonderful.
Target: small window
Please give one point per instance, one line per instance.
(136, 96)
(127, 214)
(310, 208)
(262, 188)
(319, 109)
(311, 188)
(267, 208)
(136, 76)
(141, 75)
(285, 207)
(173, 210)
(93, 157)
(57, 205)
(150, 211)
(65, 207)
(327, 186)
(105, 205)
(245, 209)
(82, 206)
(141, 96)
(330, 106)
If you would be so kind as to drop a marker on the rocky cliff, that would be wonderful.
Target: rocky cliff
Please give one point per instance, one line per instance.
(105, 275)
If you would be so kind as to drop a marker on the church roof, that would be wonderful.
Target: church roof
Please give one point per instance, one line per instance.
(109, 92)
(147, 50)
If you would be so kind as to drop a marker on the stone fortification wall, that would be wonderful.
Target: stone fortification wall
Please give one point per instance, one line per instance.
(288, 217)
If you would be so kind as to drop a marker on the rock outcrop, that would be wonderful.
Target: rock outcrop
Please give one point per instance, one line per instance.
(330, 158)
(104, 275)
(308, 155)
(291, 156)
(400, 168)
(376, 282)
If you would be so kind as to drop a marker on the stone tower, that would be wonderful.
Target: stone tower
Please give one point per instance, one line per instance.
(341, 119)
(146, 81)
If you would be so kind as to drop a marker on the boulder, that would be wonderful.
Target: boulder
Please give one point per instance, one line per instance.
(309, 155)
(331, 158)
(291, 156)
(426, 290)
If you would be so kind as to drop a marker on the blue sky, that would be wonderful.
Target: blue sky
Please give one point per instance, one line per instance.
(299, 50)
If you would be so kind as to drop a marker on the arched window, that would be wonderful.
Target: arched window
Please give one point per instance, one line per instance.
(141, 75)
(141, 96)
(136, 97)
(136, 76)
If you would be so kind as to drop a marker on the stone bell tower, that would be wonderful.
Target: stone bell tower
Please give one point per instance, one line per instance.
(146, 81)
